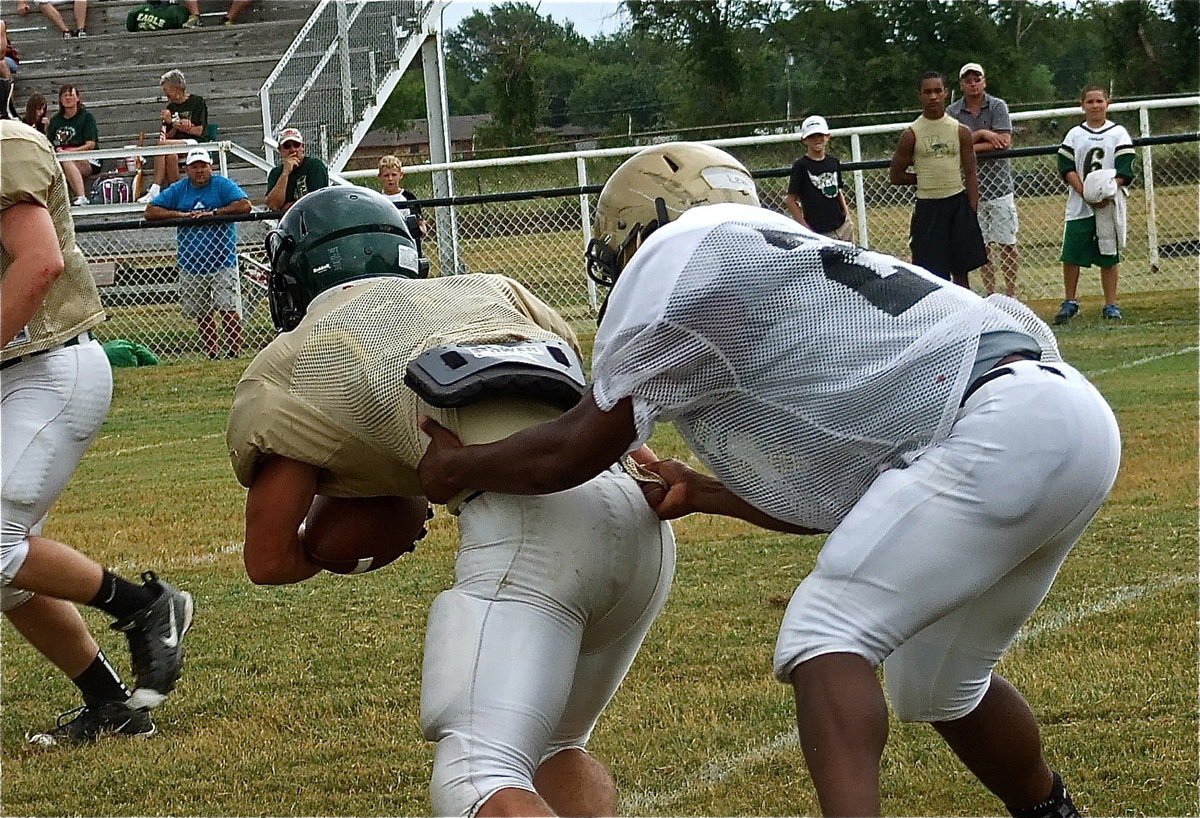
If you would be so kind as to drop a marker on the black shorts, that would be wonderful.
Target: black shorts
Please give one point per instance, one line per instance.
(945, 238)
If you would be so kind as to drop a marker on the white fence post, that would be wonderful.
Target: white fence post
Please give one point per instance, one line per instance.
(860, 194)
(585, 216)
(1148, 182)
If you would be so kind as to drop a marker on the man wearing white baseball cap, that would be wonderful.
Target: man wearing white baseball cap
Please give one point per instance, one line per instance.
(814, 196)
(296, 175)
(991, 131)
(207, 253)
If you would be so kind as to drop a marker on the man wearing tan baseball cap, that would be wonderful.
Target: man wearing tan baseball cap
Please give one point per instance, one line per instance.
(296, 174)
(991, 131)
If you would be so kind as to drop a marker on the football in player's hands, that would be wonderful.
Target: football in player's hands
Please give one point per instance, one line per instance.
(353, 535)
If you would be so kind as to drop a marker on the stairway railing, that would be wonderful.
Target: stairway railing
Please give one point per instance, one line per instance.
(340, 69)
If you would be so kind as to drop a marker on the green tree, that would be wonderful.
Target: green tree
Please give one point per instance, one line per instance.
(706, 85)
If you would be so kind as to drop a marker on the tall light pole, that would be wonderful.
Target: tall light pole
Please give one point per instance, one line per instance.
(791, 60)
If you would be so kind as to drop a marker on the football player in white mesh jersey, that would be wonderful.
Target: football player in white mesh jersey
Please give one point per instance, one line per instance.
(553, 595)
(939, 437)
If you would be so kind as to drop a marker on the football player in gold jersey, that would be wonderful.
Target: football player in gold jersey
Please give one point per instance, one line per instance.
(553, 595)
(56, 390)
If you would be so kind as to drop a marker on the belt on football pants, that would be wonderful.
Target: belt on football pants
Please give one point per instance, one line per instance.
(81, 338)
(997, 371)
(615, 467)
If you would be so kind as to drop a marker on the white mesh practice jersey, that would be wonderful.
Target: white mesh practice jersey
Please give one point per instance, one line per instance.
(795, 366)
(331, 392)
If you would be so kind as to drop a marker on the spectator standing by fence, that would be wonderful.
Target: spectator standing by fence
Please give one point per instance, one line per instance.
(183, 122)
(57, 387)
(207, 254)
(46, 7)
(296, 175)
(73, 129)
(391, 176)
(815, 197)
(944, 233)
(1096, 146)
(991, 130)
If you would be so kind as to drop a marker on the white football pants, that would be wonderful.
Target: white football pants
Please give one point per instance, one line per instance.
(940, 564)
(553, 596)
(53, 406)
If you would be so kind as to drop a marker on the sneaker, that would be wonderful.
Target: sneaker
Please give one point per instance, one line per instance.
(155, 635)
(1112, 311)
(81, 32)
(1066, 312)
(67, 35)
(80, 200)
(93, 722)
(193, 21)
(225, 21)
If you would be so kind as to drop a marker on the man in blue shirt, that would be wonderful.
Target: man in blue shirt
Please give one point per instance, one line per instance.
(207, 253)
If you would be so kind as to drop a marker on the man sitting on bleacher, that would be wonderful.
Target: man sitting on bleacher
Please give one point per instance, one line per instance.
(157, 15)
(184, 122)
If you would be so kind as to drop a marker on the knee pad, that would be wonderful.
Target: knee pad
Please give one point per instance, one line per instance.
(12, 557)
(460, 786)
(918, 696)
(448, 669)
(467, 768)
(12, 598)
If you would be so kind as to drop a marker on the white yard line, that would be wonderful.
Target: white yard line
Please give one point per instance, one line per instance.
(144, 447)
(181, 561)
(1140, 361)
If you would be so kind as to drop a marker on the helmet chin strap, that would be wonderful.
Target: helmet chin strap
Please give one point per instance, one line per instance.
(660, 213)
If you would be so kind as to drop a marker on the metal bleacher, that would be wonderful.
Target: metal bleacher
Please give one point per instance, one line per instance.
(118, 72)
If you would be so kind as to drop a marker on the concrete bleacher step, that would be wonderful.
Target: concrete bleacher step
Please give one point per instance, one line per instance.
(118, 71)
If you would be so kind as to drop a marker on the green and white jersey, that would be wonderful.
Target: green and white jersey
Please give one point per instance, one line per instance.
(1085, 149)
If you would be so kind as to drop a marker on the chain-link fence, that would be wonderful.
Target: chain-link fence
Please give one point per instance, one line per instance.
(530, 221)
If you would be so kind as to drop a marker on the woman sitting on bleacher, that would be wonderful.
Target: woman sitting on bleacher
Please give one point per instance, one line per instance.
(72, 129)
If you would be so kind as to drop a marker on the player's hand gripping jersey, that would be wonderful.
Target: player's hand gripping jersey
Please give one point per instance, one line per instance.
(836, 363)
(331, 392)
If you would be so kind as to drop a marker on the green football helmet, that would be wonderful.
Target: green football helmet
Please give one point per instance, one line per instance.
(329, 237)
(653, 187)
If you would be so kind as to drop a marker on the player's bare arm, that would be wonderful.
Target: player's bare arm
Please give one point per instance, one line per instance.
(542, 459)
(277, 503)
(902, 159)
(27, 234)
(970, 171)
(688, 491)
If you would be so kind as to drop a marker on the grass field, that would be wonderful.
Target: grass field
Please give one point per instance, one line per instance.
(303, 700)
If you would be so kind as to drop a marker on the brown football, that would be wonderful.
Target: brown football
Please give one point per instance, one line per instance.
(353, 535)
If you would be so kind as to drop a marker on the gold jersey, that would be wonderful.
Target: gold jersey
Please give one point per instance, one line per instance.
(937, 157)
(331, 392)
(30, 173)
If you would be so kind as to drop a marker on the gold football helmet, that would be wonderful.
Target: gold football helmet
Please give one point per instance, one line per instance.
(653, 187)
